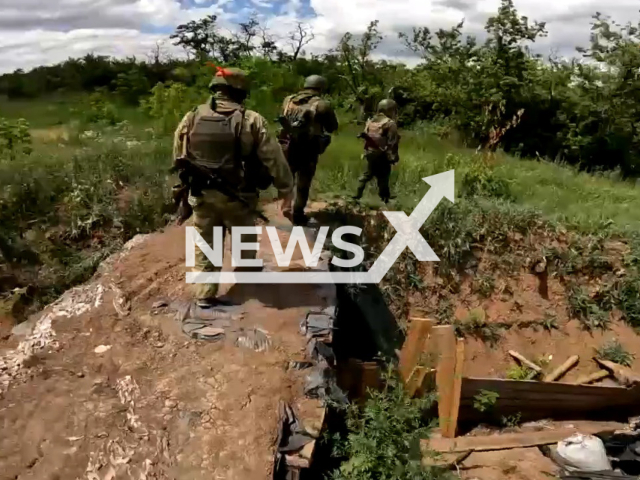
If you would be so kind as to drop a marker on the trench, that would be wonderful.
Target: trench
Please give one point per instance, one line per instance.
(366, 333)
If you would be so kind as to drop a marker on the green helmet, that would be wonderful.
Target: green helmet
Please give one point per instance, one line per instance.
(315, 82)
(232, 77)
(388, 107)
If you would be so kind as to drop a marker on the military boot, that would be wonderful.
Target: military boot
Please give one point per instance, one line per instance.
(359, 193)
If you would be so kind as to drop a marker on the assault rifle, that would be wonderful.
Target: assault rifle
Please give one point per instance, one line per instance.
(190, 171)
(371, 143)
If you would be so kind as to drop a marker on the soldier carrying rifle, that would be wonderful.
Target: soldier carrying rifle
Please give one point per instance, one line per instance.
(380, 149)
(225, 155)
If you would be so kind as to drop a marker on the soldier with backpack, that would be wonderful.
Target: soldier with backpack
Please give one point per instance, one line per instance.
(380, 149)
(307, 121)
(236, 150)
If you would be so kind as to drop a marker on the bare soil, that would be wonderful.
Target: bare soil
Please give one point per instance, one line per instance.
(154, 404)
(520, 300)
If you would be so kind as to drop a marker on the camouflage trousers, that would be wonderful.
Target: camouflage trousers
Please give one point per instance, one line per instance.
(379, 168)
(303, 170)
(214, 209)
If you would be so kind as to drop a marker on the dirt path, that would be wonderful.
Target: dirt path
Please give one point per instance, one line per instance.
(153, 404)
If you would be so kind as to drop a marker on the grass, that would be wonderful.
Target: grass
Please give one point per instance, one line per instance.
(590, 203)
(113, 184)
(520, 372)
(614, 352)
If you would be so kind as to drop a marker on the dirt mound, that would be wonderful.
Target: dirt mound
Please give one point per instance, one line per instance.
(102, 393)
(498, 310)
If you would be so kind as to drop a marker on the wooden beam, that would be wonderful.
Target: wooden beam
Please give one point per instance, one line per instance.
(525, 361)
(622, 374)
(509, 441)
(594, 377)
(413, 347)
(445, 341)
(562, 369)
(457, 390)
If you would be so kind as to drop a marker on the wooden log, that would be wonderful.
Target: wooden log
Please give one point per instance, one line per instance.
(562, 369)
(622, 374)
(524, 361)
(594, 377)
(509, 441)
(413, 347)
(445, 342)
(457, 390)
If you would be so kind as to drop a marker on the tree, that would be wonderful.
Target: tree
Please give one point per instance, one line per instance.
(301, 36)
(198, 37)
(359, 70)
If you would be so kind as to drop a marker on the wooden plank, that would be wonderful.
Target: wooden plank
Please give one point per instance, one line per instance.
(515, 440)
(457, 389)
(415, 380)
(413, 347)
(370, 378)
(594, 377)
(562, 369)
(622, 374)
(444, 339)
(518, 388)
(525, 361)
(540, 400)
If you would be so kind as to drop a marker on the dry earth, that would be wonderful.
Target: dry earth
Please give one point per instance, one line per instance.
(153, 403)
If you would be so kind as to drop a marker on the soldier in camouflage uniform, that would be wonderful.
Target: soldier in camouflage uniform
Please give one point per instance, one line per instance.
(311, 120)
(381, 149)
(222, 135)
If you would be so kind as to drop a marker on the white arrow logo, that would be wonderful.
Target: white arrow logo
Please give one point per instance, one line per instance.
(407, 235)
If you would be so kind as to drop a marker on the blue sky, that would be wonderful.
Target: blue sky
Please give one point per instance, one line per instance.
(33, 32)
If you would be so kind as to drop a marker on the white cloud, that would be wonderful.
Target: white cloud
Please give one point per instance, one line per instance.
(33, 32)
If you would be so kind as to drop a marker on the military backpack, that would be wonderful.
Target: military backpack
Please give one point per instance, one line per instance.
(300, 111)
(376, 129)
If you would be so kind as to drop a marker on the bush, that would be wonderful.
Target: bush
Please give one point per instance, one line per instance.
(383, 441)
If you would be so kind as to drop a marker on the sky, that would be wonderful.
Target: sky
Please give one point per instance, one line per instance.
(36, 32)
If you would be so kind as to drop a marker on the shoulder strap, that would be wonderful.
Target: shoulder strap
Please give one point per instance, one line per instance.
(238, 141)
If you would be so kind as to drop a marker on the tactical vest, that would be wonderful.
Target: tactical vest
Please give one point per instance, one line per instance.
(214, 142)
(376, 128)
(300, 110)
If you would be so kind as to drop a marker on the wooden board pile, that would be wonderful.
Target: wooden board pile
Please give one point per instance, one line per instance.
(432, 357)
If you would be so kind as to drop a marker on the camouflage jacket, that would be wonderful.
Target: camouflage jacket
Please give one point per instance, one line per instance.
(255, 139)
(386, 128)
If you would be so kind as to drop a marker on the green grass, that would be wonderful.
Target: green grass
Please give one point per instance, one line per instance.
(590, 203)
(587, 201)
(74, 184)
(614, 352)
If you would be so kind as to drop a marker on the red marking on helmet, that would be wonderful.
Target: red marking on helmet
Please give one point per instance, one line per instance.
(223, 72)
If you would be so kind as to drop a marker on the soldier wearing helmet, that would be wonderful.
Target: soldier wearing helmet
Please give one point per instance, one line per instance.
(380, 149)
(307, 120)
(234, 145)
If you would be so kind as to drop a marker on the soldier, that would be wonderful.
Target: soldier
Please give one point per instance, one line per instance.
(234, 144)
(380, 149)
(307, 122)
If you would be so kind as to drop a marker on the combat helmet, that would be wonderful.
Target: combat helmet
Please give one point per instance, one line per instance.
(315, 82)
(388, 107)
(231, 77)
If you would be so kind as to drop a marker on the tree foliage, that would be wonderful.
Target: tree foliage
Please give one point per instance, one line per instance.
(493, 94)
